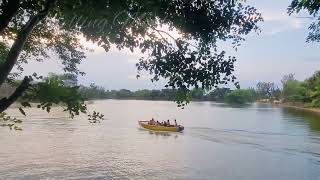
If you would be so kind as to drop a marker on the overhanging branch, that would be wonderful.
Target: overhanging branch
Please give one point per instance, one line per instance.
(8, 101)
(18, 44)
(9, 10)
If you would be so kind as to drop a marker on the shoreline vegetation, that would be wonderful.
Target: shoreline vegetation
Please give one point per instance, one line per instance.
(303, 95)
(297, 106)
(300, 107)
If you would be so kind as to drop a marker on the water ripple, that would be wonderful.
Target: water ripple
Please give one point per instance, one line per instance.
(266, 141)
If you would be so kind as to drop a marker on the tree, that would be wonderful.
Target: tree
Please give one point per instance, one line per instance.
(294, 91)
(312, 7)
(37, 27)
(240, 96)
(140, 94)
(169, 94)
(313, 89)
(124, 93)
(93, 92)
(276, 94)
(197, 93)
(307, 91)
(155, 94)
(286, 78)
(218, 94)
(265, 90)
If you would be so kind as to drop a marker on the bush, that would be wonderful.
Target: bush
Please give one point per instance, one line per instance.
(240, 96)
(294, 91)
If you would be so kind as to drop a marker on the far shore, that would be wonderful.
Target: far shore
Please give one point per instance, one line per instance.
(314, 110)
(298, 106)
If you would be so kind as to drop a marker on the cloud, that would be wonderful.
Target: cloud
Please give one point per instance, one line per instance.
(281, 25)
(271, 15)
(276, 20)
(133, 60)
(96, 50)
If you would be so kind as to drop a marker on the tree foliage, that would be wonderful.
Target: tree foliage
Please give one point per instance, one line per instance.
(313, 89)
(197, 93)
(307, 91)
(312, 7)
(240, 96)
(51, 91)
(96, 92)
(294, 91)
(218, 94)
(266, 90)
(33, 30)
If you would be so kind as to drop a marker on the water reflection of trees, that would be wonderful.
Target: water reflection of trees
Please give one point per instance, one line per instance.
(231, 105)
(309, 118)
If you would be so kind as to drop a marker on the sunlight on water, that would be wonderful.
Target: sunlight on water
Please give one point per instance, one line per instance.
(219, 142)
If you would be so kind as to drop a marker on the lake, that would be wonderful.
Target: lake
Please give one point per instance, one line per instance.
(220, 141)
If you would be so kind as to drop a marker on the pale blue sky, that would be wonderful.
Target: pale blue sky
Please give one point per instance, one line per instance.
(280, 49)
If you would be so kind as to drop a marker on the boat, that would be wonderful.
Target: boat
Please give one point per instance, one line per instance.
(145, 125)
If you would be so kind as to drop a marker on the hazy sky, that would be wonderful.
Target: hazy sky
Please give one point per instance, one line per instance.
(280, 49)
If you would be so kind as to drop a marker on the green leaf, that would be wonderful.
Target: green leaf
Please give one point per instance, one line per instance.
(25, 104)
(22, 111)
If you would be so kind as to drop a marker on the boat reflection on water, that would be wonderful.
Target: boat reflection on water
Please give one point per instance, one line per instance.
(162, 133)
(159, 133)
(165, 134)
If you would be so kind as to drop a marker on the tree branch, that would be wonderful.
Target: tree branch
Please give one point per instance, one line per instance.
(7, 102)
(161, 31)
(174, 39)
(18, 44)
(9, 10)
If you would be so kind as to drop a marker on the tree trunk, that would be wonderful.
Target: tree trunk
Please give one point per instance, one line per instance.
(18, 44)
(14, 53)
(9, 10)
(16, 49)
(7, 102)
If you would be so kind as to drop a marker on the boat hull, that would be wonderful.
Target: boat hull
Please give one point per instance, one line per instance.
(145, 125)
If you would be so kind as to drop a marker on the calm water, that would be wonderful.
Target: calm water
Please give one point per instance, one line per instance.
(219, 142)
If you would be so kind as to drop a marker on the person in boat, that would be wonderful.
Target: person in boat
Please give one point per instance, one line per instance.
(164, 123)
(175, 123)
(152, 122)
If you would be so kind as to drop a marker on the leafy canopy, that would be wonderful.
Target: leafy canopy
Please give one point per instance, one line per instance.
(312, 7)
(185, 61)
(39, 29)
(307, 91)
(240, 96)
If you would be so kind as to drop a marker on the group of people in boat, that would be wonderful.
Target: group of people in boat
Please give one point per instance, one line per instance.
(164, 123)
